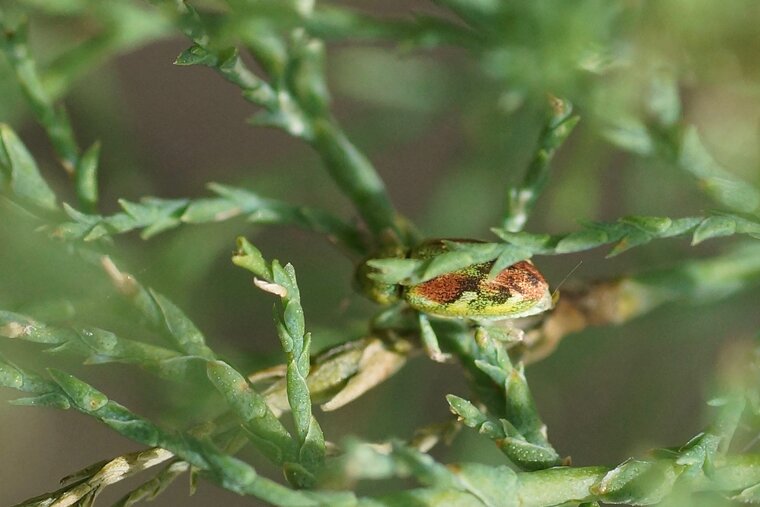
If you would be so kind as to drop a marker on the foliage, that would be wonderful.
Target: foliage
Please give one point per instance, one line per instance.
(541, 68)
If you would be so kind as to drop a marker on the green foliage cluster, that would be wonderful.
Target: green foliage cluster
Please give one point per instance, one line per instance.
(274, 52)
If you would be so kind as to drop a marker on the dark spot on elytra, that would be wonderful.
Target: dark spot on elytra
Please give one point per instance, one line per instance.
(471, 283)
(499, 297)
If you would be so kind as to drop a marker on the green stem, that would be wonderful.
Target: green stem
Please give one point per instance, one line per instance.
(522, 199)
(286, 108)
(355, 176)
(53, 118)
(227, 471)
(558, 485)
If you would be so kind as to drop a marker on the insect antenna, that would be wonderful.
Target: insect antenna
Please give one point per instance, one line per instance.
(555, 294)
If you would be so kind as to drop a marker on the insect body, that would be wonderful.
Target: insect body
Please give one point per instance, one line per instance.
(517, 291)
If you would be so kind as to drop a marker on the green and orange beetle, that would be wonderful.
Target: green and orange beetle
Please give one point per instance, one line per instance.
(468, 293)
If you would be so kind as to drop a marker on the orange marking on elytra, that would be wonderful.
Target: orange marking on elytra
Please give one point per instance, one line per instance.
(442, 289)
(521, 278)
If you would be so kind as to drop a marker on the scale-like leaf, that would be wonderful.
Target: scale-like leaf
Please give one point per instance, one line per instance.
(19, 172)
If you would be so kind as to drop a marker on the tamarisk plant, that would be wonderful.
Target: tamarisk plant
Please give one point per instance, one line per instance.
(272, 409)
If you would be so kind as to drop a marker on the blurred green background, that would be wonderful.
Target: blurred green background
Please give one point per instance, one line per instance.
(448, 129)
